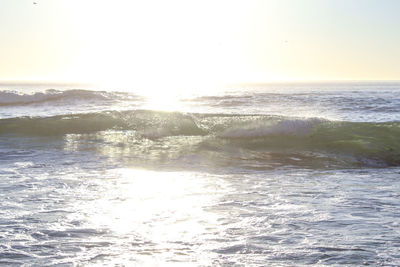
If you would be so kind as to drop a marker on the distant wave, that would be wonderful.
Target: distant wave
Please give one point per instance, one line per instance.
(247, 138)
(12, 98)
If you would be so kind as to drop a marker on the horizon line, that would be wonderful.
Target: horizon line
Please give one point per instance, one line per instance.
(59, 82)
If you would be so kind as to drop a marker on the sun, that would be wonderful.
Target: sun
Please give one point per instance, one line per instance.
(158, 48)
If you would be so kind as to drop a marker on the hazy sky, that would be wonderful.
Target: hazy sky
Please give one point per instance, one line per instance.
(171, 41)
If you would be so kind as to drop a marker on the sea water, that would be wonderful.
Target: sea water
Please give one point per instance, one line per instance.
(251, 175)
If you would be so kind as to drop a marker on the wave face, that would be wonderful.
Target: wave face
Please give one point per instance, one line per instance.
(253, 141)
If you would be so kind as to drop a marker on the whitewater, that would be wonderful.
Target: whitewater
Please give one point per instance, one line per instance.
(288, 174)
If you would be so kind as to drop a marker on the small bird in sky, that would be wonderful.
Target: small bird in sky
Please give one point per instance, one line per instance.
(35, 3)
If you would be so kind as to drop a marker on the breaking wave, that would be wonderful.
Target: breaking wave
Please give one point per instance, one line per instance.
(237, 140)
(255, 139)
(13, 98)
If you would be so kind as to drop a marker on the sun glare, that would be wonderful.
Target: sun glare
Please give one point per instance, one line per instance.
(155, 47)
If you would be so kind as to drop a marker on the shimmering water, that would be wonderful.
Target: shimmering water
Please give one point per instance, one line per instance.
(277, 175)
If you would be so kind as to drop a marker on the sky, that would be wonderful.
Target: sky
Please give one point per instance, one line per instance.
(181, 42)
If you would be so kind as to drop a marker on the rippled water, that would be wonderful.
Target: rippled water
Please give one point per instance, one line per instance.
(283, 217)
(147, 188)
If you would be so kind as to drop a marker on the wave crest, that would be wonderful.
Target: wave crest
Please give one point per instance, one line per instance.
(256, 140)
(13, 98)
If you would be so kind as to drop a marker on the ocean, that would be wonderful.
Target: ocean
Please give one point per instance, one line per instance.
(290, 174)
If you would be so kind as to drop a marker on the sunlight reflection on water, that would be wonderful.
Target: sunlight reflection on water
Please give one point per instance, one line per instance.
(165, 210)
(121, 216)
